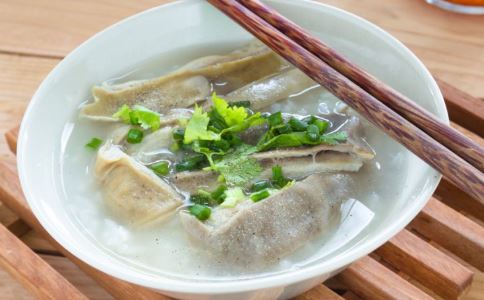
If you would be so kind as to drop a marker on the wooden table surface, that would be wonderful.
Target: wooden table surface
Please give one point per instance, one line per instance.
(36, 34)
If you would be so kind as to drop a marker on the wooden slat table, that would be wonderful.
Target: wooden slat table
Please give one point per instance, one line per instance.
(440, 253)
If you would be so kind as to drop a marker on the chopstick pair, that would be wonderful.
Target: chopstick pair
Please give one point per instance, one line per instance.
(399, 117)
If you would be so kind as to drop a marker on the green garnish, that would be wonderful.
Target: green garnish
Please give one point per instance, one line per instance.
(245, 104)
(275, 119)
(322, 125)
(219, 193)
(160, 168)
(138, 115)
(178, 134)
(232, 197)
(190, 163)
(197, 128)
(94, 143)
(312, 133)
(278, 179)
(201, 212)
(257, 196)
(238, 168)
(232, 115)
(334, 138)
(297, 125)
(260, 185)
(135, 136)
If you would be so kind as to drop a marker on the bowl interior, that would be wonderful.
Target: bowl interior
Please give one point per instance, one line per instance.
(159, 31)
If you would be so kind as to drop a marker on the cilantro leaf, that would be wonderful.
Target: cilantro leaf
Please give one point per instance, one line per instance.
(232, 115)
(334, 138)
(197, 128)
(238, 168)
(138, 115)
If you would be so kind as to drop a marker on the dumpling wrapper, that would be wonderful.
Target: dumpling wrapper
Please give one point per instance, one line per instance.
(131, 191)
(188, 85)
(263, 232)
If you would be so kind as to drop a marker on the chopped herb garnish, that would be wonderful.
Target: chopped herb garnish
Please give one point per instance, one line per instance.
(232, 115)
(312, 133)
(297, 125)
(245, 104)
(201, 212)
(275, 119)
(232, 197)
(139, 115)
(190, 163)
(257, 196)
(238, 168)
(178, 134)
(160, 168)
(278, 179)
(219, 193)
(197, 128)
(135, 136)
(334, 138)
(260, 185)
(94, 143)
(322, 125)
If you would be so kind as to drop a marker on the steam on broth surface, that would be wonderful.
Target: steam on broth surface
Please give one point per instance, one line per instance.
(261, 177)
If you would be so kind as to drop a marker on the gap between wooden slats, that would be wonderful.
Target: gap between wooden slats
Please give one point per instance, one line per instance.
(369, 279)
(463, 108)
(425, 263)
(453, 231)
(34, 273)
(11, 195)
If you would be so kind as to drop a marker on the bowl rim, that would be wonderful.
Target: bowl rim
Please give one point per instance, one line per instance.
(181, 285)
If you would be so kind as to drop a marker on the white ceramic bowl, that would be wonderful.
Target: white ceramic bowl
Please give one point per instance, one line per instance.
(192, 23)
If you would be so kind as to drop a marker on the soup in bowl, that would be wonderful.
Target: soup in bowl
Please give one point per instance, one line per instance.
(189, 158)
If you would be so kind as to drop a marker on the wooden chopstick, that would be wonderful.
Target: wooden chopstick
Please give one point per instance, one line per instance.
(441, 132)
(456, 169)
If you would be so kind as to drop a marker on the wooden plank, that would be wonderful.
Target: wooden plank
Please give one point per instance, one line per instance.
(55, 27)
(477, 290)
(319, 292)
(11, 289)
(451, 195)
(35, 274)
(426, 264)
(370, 280)
(12, 222)
(453, 231)
(78, 278)
(12, 195)
(19, 79)
(11, 138)
(37, 243)
(463, 109)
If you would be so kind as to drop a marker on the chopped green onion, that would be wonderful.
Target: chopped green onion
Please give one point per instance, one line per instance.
(257, 196)
(245, 104)
(160, 168)
(190, 163)
(322, 125)
(94, 143)
(278, 178)
(219, 193)
(220, 145)
(284, 128)
(233, 197)
(135, 136)
(312, 133)
(200, 198)
(260, 185)
(201, 212)
(275, 119)
(178, 134)
(297, 125)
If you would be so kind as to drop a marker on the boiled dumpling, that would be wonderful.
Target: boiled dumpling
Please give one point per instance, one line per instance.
(259, 233)
(192, 83)
(131, 191)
